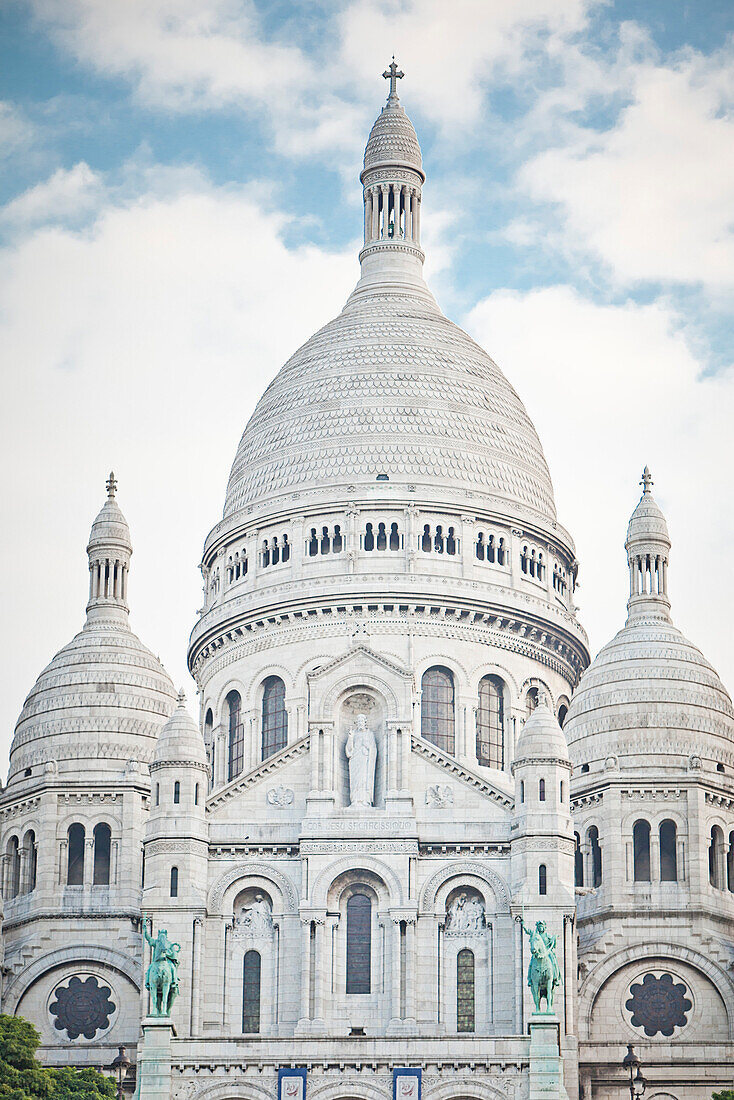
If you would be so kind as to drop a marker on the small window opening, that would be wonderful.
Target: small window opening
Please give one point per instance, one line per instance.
(542, 879)
(174, 882)
(176, 792)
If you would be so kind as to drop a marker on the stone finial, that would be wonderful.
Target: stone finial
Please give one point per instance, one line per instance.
(646, 480)
(392, 74)
(181, 697)
(111, 485)
(543, 700)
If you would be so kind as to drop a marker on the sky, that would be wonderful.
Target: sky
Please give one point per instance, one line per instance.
(180, 209)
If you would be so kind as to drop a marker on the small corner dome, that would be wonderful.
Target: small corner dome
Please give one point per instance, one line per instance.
(542, 738)
(393, 140)
(180, 739)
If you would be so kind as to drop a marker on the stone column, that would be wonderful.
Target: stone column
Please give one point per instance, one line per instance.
(418, 220)
(395, 975)
(305, 1020)
(654, 855)
(88, 860)
(410, 966)
(519, 976)
(367, 214)
(320, 971)
(198, 931)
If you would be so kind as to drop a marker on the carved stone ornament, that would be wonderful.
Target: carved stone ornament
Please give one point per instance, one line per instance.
(465, 916)
(658, 1004)
(254, 921)
(280, 796)
(440, 795)
(82, 1007)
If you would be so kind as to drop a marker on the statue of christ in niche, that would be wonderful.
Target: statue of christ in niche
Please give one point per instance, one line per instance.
(361, 750)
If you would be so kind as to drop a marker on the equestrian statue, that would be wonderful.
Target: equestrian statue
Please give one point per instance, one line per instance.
(544, 973)
(161, 978)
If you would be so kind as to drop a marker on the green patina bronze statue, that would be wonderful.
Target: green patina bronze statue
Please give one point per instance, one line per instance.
(161, 978)
(544, 973)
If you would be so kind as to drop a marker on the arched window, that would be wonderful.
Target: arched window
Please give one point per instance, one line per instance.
(338, 541)
(176, 793)
(531, 701)
(490, 723)
(102, 845)
(359, 944)
(174, 882)
(209, 743)
(451, 542)
(465, 1014)
(285, 552)
(251, 992)
(313, 544)
(12, 856)
(75, 856)
(437, 708)
(595, 847)
(578, 862)
(541, 790)
(668, 852)
(369, 537)
(381, 537)
(542, 879)
(479, 547)
(562, 715)
(730, 864)
(236, 735)
(196, 794)
(522, 790)
(157, 794)
(716, 858)
(274, 717)
(325, 540)
(426, 539)
(31, 861)
(641, 846)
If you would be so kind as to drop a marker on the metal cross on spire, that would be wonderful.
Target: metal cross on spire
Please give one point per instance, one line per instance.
(646, 480)
(393, 76)
(111, 485)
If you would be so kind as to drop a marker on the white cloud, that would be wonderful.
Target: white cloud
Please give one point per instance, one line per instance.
(69, 194)
(17, 132)
(209, 54)
(652, 195)
(610, 389)
(141, 344)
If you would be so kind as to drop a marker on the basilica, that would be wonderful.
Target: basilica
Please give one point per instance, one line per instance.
(401, 783)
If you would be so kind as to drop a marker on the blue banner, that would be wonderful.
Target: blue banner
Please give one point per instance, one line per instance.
(406, 1084)
(292, 1083)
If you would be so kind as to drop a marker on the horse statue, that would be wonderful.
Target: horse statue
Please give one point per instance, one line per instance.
(544, 973)
(161, 978)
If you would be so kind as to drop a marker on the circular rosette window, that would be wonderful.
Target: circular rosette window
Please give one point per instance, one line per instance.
(82, 1006)
(658, 1004)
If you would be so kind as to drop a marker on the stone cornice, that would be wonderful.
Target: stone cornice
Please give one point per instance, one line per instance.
(249, 779)
(460, 772)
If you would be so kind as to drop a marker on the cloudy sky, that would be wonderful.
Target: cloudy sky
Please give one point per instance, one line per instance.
(180, 209)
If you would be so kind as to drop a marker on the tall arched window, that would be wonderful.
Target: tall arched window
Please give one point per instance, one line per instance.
(437, 708)
(465, 1013)
(174, 882)
(274, 717)
(102, 845)
(531, 701)
(209, 743)
(359, 944)
(592, 837)
(541, 790)
(176, 793)
(491, 723)
(12, 856)
(562, 715)
(236, 735)
(668, 852)
(31, 861)
(542, 879)
(578, 861)
(730, 864)
(641, 846)
(716, 858)
(75, 856)
(251, 992)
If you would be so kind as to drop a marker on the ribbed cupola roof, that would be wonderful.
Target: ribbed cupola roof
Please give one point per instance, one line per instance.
(648, 548)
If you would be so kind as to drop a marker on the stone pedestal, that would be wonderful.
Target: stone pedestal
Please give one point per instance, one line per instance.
(546, 1064)
(154, 1059)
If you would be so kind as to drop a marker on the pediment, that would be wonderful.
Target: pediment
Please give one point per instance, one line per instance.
(360, 658)
(445, 767)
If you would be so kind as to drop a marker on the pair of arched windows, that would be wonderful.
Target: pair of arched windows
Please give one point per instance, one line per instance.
(438, 715)
(595, 858)
(668, 842)
(76, 844)
(21, 864)
(274, 724)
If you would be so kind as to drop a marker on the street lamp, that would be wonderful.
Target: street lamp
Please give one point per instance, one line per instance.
(120, 1066)
(638, 1084)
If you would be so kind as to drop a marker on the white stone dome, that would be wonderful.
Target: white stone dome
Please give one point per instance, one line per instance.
(393, 140)
(102, 700)
(180, 740)
(541, 737)
(391, 387)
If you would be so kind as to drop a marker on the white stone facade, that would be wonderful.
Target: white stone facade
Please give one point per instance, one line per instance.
(378, 786)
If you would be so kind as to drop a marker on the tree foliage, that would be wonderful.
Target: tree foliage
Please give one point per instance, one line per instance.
(22, 1077)
(726, 1094)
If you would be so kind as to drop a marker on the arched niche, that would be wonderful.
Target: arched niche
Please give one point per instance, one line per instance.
(365, 700)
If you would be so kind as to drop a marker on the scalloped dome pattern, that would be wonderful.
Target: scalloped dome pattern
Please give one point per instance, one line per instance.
(393, 140)
(103, 694)
(647, 522)
(391, 386)
(110, 526)
(649, 677)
